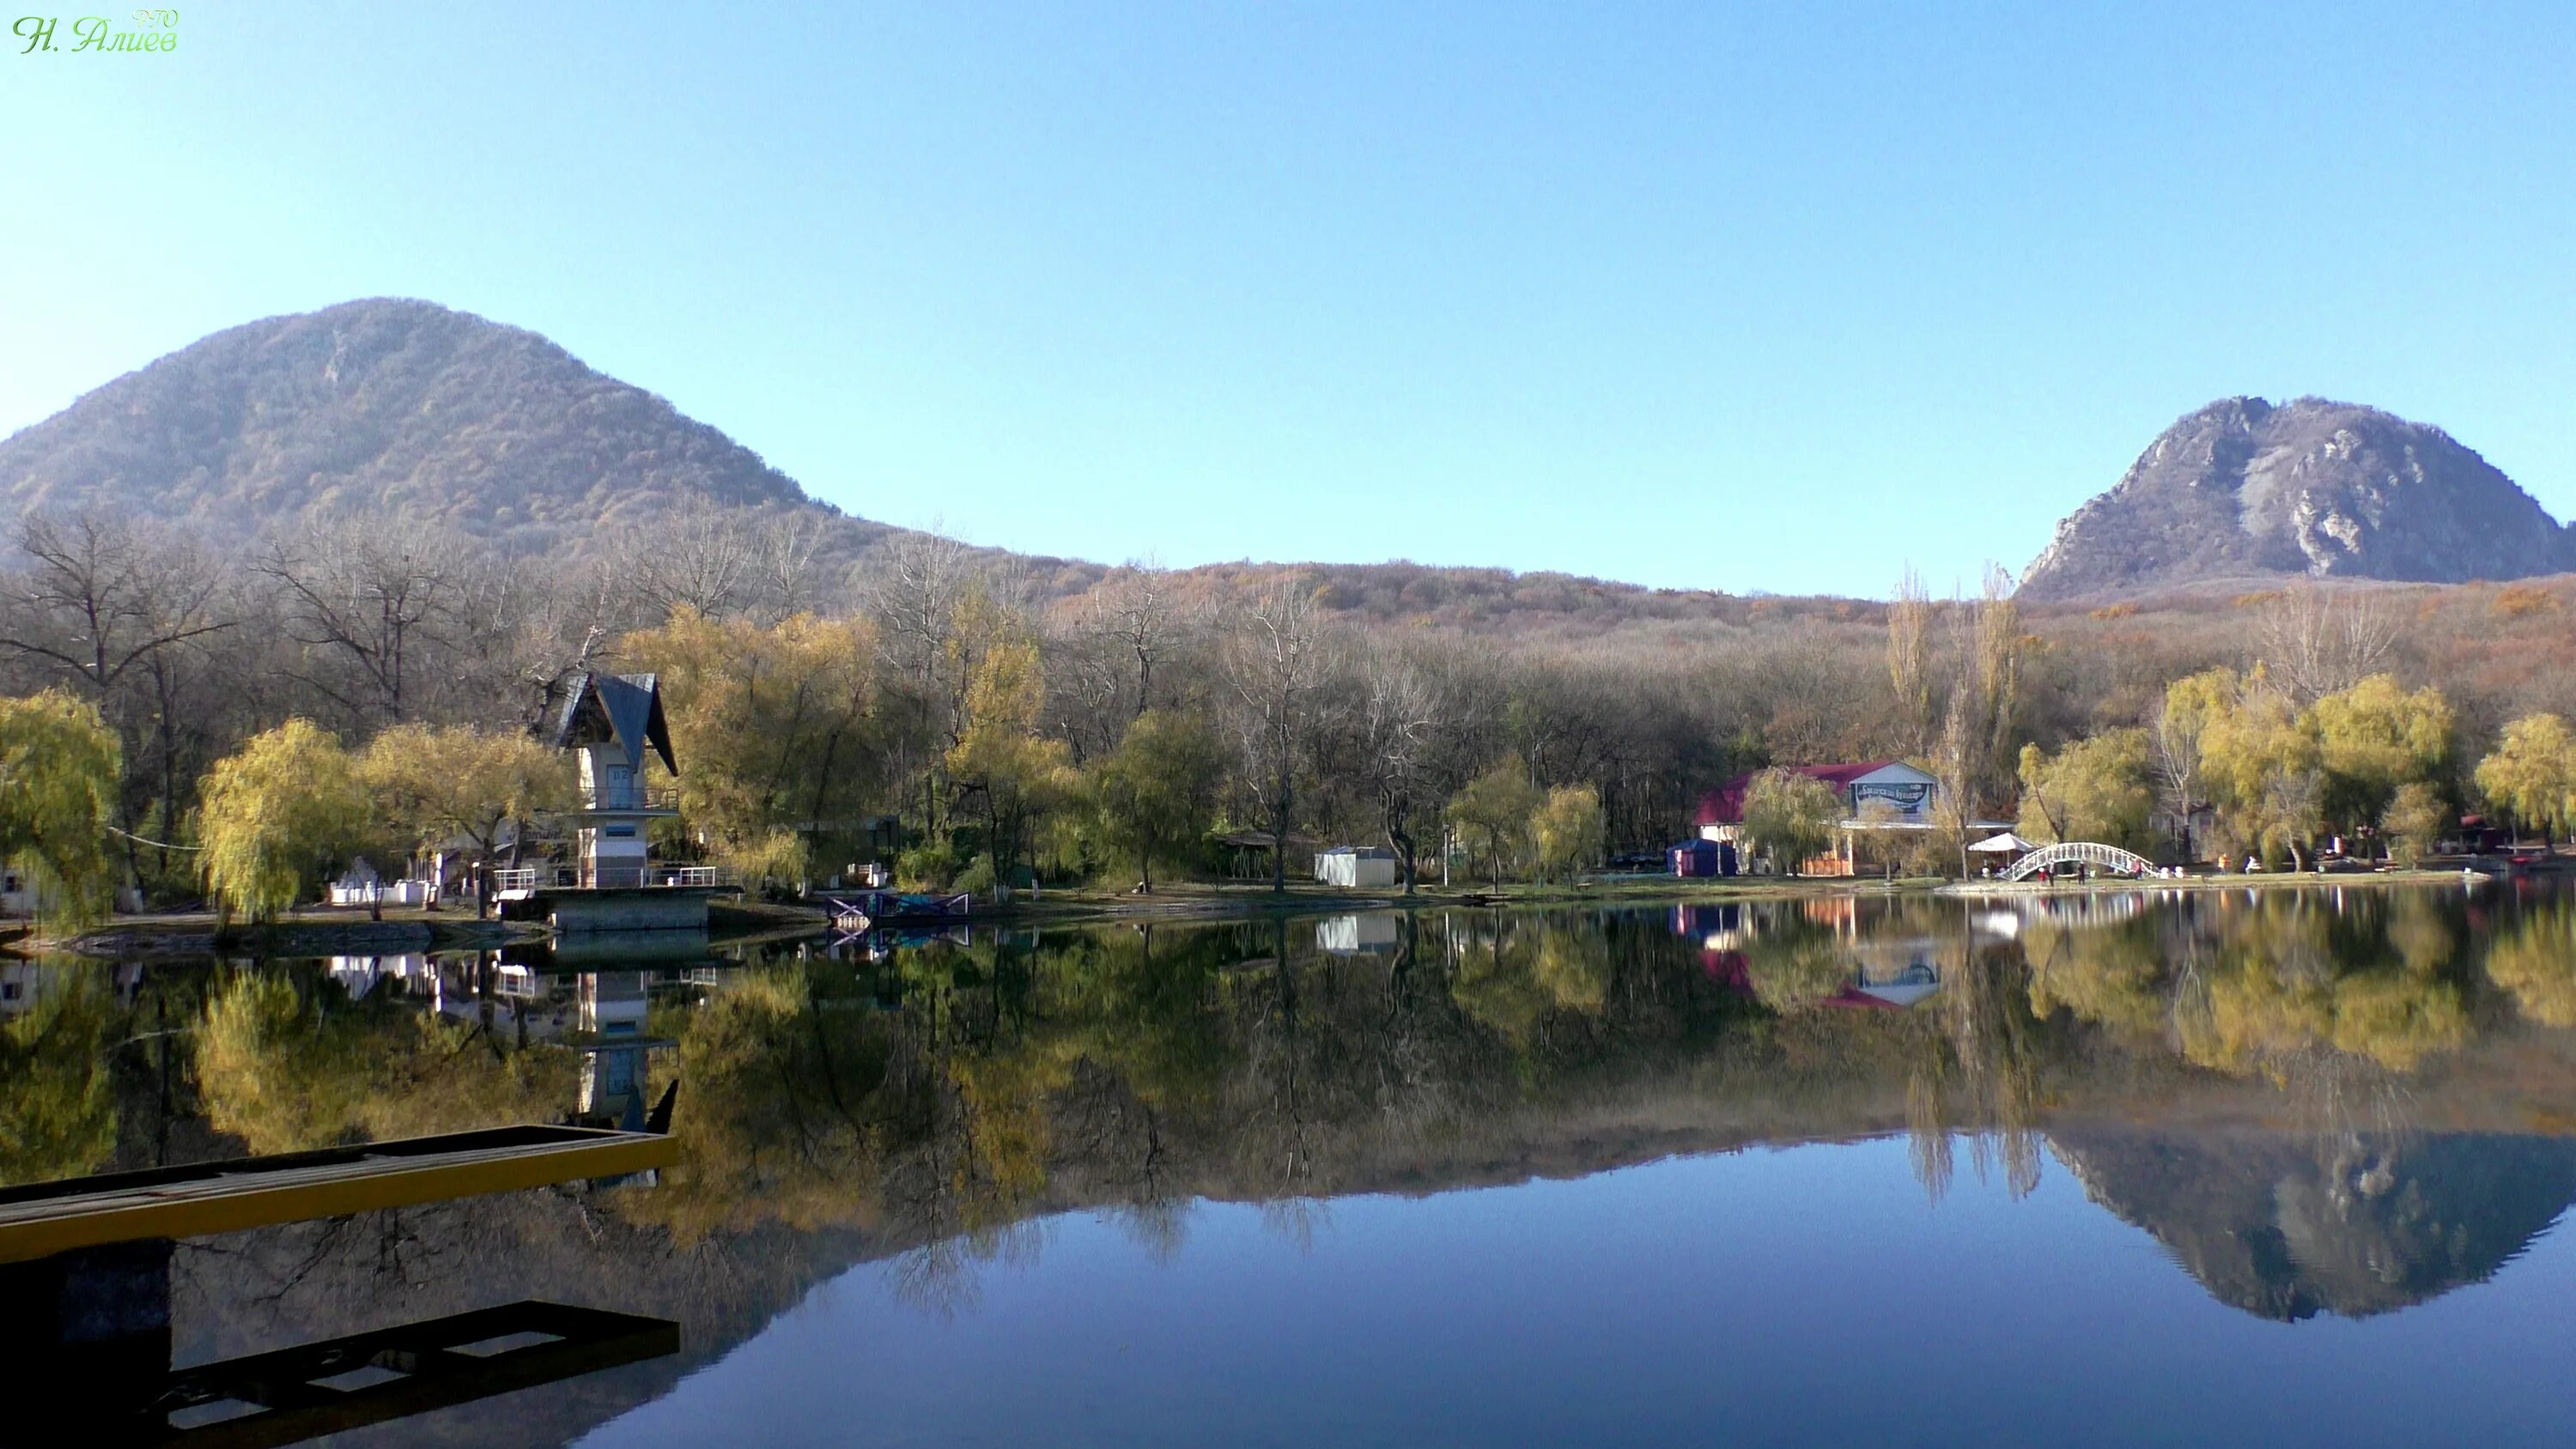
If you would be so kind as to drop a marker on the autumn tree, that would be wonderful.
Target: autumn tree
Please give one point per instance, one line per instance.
(2093, 789)
(276, 816)
(1012, 776)
(2531, 775)
(775, 730)
(1153, 797)
(2375, 737)
(1497, 807)
(2416, 817)
(1566, 831)
(2180, 722)
(2266, 769)
(430, 784)
(1790, 816)
(59, 764)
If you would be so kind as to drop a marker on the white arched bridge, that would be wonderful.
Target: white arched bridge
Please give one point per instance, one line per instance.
(2084, 852)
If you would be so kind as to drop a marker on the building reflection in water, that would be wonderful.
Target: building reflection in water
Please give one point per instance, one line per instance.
(2315, 1106)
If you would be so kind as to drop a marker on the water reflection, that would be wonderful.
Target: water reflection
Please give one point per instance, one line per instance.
(2317, 1102)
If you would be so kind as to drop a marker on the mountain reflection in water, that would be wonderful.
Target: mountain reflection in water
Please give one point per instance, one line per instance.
(2315, 1101)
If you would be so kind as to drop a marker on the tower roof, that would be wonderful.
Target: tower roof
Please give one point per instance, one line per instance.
(624, 709)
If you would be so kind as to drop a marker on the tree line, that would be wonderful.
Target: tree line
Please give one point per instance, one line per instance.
(932, 706)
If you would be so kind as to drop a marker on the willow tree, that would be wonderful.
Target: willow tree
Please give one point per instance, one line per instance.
(58, 1116)
(2093, 789)
(432, 784)
(2375, 738)
(1790, 816)
(276, 816)
(2532, 774)
(1566, 831)
(775, 729)
(59, 764)
(1155, 794)
(1498, 806)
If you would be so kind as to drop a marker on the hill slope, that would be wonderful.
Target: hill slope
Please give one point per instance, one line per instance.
(2242, 489)
(384, 404)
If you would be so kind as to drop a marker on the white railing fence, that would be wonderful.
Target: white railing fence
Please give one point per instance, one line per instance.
(2084, 852)
(609, 877)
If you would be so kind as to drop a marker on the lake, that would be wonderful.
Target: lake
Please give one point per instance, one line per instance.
(2206, 1167)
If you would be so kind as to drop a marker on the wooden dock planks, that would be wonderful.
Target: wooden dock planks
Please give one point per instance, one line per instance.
(42, 1219)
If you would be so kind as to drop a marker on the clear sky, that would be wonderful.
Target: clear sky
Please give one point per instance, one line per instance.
(1729, 296)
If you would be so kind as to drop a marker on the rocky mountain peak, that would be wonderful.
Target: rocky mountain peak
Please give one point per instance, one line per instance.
(2243, 489)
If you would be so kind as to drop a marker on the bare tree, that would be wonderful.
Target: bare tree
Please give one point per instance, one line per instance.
(1909, 661)
(125, 614)
(1275, 662)
(783, 576)
(102, 599)
(699, 555)
(374, 595)
(2318, 641)
(2176, 735)
(1138, 610)
(1400, 709)
(1999, 672)
(913, 585)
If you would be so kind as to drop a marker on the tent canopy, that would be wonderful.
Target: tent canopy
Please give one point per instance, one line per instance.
(2004, 844)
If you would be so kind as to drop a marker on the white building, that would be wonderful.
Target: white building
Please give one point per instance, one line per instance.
(1355, 865)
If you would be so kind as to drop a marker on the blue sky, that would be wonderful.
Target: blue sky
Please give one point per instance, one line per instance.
(1744, 297)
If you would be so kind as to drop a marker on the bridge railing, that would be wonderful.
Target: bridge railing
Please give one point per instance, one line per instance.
(2084, 852)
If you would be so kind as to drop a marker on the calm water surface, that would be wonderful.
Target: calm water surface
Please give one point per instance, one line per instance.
(2196, 1168)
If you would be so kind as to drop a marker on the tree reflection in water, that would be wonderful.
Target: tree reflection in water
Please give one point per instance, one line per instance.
(943, 1101)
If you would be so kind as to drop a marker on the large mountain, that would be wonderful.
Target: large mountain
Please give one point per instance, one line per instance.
(2245, 490)
(386, 405)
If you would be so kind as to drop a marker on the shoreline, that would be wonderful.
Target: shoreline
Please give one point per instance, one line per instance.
(329, 932)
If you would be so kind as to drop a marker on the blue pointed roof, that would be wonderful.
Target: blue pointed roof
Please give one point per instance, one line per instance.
(624, 708)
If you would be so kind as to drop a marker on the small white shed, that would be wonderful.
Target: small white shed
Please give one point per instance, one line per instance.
(1355, 865)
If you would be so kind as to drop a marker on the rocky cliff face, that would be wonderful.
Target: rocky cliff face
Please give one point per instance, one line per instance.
(2243, 490)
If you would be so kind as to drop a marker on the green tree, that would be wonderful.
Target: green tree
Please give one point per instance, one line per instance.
(59, 764)
(276, 816)
(1790, 816)
(1497, 806)
(1567, 830)
(2532, 774)
(2093, 789)
(1153, 797)
(431, 784)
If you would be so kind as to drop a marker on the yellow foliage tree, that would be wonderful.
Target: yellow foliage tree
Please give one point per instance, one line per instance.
(59, 764)
(1000, 763)
(2093, 789)
(276, 815)
(2375, 738)
(2532, 774)
(433, 783)
(775, 730)
(1566, 832)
